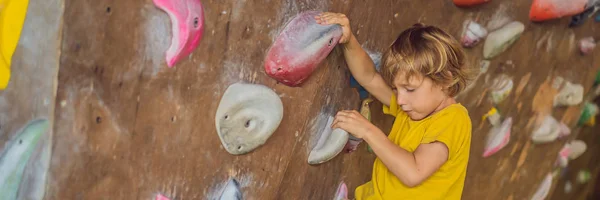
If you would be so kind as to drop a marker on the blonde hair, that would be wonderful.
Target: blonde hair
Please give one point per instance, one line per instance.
(430, 52)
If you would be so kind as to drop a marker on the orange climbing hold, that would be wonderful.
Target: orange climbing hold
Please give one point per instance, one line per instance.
(469, 2)
(542, 10)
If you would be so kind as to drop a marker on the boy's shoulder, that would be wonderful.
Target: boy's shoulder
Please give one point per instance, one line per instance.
(453, 112)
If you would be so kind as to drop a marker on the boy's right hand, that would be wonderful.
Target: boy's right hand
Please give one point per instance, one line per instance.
(336, 18)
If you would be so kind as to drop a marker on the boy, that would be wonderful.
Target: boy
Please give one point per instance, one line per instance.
(425, 155)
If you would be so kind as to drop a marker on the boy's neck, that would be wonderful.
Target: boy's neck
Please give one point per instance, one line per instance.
(445, 103)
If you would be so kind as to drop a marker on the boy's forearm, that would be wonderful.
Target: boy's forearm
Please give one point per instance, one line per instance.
(360, 64)
(399, 161)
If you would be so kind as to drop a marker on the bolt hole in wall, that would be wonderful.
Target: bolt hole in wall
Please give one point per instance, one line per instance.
(108, 9)
(98, 120)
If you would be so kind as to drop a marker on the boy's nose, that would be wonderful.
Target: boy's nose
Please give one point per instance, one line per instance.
(400, 101)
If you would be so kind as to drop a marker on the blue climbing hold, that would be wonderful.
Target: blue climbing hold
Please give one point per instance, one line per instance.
(361, 91)
(597, 18)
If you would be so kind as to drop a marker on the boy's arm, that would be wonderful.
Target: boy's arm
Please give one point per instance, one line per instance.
(360, 64)
(411, 168)
(362, 68)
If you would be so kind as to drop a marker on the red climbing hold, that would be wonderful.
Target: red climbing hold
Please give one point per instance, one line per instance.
(542, 10)
(469, 2)
(300, 48)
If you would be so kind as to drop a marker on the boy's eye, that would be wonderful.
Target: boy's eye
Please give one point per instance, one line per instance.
(410, 90)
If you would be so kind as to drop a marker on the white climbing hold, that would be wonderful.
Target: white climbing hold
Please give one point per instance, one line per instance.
(247, 116)
(568, 187)
(501, 88)
(330, 143)
(570, 95)
(577, 147)
(497, 138)
(587, 45)
(543, 189)
(472, 33)
(549, 130)
(498, 41)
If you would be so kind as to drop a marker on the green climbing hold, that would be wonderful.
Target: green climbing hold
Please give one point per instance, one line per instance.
(597, 80)
(583, 176)
(588, 115)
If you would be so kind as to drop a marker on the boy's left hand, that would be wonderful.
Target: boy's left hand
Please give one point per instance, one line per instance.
(354, 123)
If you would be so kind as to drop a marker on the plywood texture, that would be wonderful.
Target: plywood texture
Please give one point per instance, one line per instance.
(131, 128)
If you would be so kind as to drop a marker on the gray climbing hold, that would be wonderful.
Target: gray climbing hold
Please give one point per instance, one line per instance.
(247, 116)
(331, 143)
(498, 41)
(16, 155)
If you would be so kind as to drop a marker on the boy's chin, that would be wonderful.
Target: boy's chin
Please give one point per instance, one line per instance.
(415, 117)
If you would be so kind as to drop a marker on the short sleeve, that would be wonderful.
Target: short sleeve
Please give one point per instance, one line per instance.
(393, 108)
(452, 128)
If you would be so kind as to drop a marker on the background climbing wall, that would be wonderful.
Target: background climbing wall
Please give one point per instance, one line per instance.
(128, 127)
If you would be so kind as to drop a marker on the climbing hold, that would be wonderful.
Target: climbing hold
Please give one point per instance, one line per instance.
(591, 8)
(499, 40)
(578, 147)
(342, 192)
(187, 24)
(376, 58)
(300, 48)
(583, 176)
(330, 143)
(493, 116)
(563, 156)
(549, 130)
(353, 142)
(161, 197)
(588, 115)
(17, 154)
(568, 187)
(570, 95)
(472, 33)
(365, 110)
(587, 45)
(498, 138)
(231, 191)
(597, 79)
(571, 151)
(501, 88)
(469, 2)
(12, 17)
(542, 10)
(597, 18)
(247, 116)
(484, 65)
(544, 188)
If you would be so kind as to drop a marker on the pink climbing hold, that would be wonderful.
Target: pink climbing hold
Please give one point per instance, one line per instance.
(342, 192)
(187, 21)
(498, 138)
(161, 197)
(300, 48)
(587, 45)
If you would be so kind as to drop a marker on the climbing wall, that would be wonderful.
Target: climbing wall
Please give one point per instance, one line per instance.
(128, 127)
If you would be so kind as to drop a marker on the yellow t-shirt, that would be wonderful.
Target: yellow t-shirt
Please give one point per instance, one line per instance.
(451, 126)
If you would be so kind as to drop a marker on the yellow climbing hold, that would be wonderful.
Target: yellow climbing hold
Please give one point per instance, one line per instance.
(364, 109)
(12, 17)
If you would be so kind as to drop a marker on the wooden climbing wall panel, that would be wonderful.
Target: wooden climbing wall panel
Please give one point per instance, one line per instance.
(129, 127)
